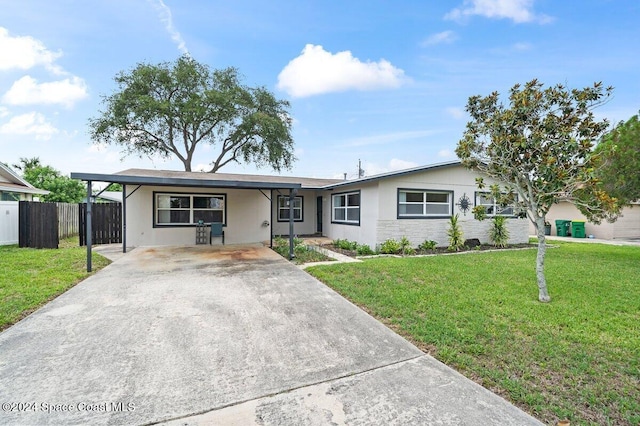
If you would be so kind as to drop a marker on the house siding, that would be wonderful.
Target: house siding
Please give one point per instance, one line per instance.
(365, 232)
(627, 226)
(246, 210)
(308, 224)
(379, 218)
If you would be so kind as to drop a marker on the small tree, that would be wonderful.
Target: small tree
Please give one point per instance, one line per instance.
(62, 188)
(540, 147)
(170, 109)
(619, 153)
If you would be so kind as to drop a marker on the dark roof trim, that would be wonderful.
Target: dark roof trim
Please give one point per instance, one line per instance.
(165, 181)
(393, 174)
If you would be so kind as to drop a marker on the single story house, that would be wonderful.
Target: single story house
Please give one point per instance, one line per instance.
(163, 207)
(626, 227)
(15, 188)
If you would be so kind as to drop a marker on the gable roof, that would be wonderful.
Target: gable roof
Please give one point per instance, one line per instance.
(12, 182)
(395, 173)
(242, 181)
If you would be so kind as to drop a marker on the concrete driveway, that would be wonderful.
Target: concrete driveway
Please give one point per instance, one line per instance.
(223, 335)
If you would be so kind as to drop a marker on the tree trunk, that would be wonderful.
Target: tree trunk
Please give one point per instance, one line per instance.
(543, 294)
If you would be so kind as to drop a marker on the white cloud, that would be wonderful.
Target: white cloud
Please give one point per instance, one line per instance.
(519, 11)
(164, 13)
(25, 53)
(440, 38)
(32, 123)
(446, 154)
(201, 167)
(27, 91)
(317, 71)
(371, 169)
(389, 138)
(4, 111)
(455, 112)
(521, 47)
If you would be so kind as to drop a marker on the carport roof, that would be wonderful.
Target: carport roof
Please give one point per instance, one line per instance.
(211, 180)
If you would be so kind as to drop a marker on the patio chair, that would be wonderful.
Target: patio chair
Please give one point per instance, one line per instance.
(216, 231)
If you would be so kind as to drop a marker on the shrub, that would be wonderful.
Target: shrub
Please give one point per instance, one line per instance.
(405, 247)
(346, 244)
(499, 234)
(364, 250)
(390, 246)
(428, 245)
(456, 239)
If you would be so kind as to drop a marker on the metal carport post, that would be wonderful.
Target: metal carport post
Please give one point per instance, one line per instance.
(88, 225)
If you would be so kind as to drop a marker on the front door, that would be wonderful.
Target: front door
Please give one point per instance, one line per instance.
(319, 214)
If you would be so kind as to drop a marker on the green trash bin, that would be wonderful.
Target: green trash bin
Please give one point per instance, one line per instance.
(563, 227)
(577, 229)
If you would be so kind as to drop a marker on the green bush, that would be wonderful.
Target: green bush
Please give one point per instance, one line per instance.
(456, 238)
(364, 250)
(499, 234)
(346, 244)
(390, 246)
(302, 253)
(428, 245)
(405, 247)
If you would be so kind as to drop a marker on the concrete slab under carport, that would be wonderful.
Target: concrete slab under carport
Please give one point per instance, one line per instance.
(168, 333)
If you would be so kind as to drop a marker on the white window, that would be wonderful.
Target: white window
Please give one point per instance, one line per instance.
(346, 208)
(491, 207)
(188, 209)
(413, 203)
(283, 208)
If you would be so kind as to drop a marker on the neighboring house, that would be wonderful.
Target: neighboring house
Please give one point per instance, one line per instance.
(15, 188)
(626, 227)
(163, 207)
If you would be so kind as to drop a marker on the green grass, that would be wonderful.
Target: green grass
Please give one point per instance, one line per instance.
(577, 357)
(31, 277)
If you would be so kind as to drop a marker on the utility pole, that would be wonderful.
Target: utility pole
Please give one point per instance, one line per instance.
(360, 171)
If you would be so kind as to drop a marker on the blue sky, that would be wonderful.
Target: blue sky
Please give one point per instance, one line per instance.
(380, 81)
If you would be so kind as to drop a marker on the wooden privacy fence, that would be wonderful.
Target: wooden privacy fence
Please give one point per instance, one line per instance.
(106, 222)
(37, 225)
(68, 219)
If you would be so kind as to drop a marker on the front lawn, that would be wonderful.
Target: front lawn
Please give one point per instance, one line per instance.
(31, 277)
(577, 357)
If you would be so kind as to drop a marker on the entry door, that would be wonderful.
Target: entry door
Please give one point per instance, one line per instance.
(319, 214)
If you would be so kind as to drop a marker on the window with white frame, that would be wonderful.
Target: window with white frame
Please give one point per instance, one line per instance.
(283, 208)
(346, 208)
(417, 203)
(188, 209)
(491, 207)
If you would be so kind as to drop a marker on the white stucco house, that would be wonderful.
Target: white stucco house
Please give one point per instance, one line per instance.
(626, 227)
(163, 207)
(13, 188)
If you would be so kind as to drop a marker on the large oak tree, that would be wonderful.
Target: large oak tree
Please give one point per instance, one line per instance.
(540, 147)
(170, 109)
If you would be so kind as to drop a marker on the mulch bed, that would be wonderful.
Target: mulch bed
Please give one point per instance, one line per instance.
(440, 250)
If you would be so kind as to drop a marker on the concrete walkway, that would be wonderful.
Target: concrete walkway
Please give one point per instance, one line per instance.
(223, 335)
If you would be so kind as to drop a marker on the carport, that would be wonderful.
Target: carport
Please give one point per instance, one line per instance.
(139, 178)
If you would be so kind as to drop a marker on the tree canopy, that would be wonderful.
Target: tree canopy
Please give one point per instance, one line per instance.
(62, 188)
(540, 147)
(619, 152)
(169, 109)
